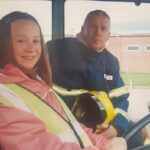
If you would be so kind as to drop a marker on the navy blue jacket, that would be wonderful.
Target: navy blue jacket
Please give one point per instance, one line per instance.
(75, 66)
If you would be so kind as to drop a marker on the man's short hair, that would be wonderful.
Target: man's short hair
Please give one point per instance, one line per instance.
(96, 13)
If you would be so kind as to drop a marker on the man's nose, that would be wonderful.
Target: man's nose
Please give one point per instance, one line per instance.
(98, 30)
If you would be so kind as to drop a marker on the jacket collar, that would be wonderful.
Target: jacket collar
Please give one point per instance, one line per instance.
(11, 74)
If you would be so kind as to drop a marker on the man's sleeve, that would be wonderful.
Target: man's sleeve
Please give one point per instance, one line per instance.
(119, 94)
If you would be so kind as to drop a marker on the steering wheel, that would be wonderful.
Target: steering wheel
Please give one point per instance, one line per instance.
(138, 126)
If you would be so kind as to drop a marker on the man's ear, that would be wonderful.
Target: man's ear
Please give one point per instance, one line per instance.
(108, 36)
(82, 29)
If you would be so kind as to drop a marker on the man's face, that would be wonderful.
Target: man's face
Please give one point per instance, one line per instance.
(96, 32)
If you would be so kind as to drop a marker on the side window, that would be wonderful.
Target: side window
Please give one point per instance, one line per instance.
(41, 10)
(133, 48)
(147, 48)
(129, 42)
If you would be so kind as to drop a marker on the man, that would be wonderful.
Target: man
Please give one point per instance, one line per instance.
(84, 63)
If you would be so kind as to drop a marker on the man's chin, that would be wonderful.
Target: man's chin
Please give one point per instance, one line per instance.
(97, 48)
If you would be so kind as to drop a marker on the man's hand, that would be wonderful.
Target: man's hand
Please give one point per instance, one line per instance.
(107, 130)
(116, 144)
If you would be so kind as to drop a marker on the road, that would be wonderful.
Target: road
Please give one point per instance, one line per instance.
(138, 103)
(139, 100)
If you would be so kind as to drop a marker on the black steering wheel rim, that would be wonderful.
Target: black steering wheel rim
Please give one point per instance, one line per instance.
(138, 126)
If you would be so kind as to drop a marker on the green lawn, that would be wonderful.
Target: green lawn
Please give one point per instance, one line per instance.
(136, 79)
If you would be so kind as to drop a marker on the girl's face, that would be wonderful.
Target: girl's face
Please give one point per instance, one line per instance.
(26, 43)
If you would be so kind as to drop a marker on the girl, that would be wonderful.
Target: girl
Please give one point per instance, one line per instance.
(32, 116)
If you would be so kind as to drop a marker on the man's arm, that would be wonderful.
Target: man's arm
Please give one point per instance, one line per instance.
(119, 95)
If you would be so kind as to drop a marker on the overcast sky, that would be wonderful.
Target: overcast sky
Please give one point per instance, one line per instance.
(125, 17)
(41, 10)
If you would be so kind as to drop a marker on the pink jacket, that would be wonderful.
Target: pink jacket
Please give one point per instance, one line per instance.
(20, 130)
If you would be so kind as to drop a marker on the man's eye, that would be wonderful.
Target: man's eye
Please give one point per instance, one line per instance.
(92, 26)
(104, 28)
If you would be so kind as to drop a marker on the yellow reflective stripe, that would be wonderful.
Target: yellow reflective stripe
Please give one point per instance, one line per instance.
(102, 96)
(85, 139)
(75, 92)
(59, 127)
(4, 101)
(118, 92)
(46, 114)
(122, 112)
(62, 134)
(13, 98)
(109, 108)
(65, 92)
(146, 141)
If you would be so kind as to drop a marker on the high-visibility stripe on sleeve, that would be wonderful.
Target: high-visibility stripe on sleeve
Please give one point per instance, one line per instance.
(65, 92)
(118, 92)
(122, 112)
(75, 92)
(113, 93)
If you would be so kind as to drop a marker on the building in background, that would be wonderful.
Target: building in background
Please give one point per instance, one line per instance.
(133, 52)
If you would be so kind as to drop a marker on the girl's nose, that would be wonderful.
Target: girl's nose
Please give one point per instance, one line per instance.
(30, 46)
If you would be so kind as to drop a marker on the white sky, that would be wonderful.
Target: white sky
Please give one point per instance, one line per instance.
(41, 10)
(125, 17)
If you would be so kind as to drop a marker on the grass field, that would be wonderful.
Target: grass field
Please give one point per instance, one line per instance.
(136, 79)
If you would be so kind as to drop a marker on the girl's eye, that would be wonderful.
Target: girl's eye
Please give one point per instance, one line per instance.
(21, 41)
(36, 41)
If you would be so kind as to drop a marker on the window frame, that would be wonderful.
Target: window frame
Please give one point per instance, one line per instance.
(132, 45)
(145, 47)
